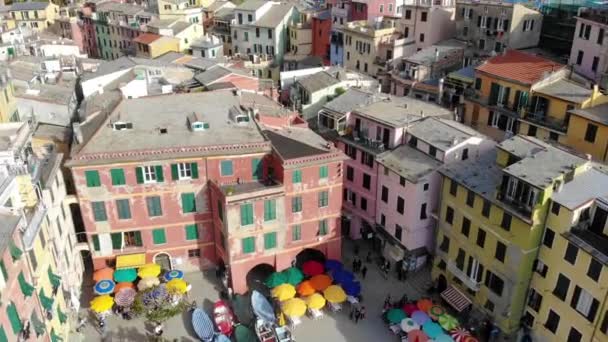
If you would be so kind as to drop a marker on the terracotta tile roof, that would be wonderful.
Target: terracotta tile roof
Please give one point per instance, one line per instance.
(519, 66)
(146, 38)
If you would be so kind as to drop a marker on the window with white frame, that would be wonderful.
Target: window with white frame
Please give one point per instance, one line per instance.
(184, 170)
(484, 20)
(584, 302)
(468, 13)
(473, 270)
(149, 174)
(495, 117)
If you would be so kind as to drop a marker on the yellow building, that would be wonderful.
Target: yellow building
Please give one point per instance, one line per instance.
(185, 32)
(588, 131)
(35, 15)
(8, 104)
(188, 10)
(568, 294)
(150, 45)
(490, 224)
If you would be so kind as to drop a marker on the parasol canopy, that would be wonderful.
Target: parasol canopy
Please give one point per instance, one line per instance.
(395, 315)
(276, 279)
(125, 275)
(261, 307)
(332, 265)
(448, 322)
(417, 336)
(244, 334)
(293, 276)
(469, 339)
(173, 274)
(305, 288)
(312, 268)
(334, 294)
(459, 334)
(420, 317)
(409, 308)
(424, 304)
(149, 270)
(104, 287)
(320, 282)
(103, 274)
(432, 329)
(443, 338)
(342, 276)
(122, 286)
(407, 325)
(352, 288)
(294, 307)
(221, 338)
(284, 292)
(436, 311)
(177, 285)
(125, 297)
(102, 303)
(147, 283)
(315, 301)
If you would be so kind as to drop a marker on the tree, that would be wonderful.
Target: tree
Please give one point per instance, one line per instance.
(158, 305)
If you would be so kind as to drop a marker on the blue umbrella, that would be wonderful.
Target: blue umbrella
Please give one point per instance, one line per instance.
(352, 288)
(332, 265)
(104, 287)
(221, 338)
(175, 274)
(342, 277)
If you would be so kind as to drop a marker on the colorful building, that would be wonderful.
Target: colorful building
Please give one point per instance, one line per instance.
(588, 131)
(35, 15)
(185, 32)
(588, 54)
(424, 23)
(491, 219)
(150, 45)
(8, 103)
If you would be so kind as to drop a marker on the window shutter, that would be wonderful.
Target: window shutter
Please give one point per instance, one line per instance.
(174, 173)
(118, 176)
(256, 170)
(159, 173)
(490, 118)
(92, 177)
(516, 100)
(188, 203)
(478, 21)
(192, 232)
(138, 240)
(96, 243)
(593, 310)
(139, 174)
(194, 168)
(116, 240)
(494, 90)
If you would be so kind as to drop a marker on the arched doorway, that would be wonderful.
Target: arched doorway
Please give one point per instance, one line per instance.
(257, 276)
(309, 254)
(442, 283)
(164, 260)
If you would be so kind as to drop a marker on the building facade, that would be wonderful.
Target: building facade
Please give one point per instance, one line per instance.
(588, 54)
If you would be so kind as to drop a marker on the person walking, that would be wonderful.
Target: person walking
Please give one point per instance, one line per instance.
(158, 329)
(352, 313)
(363, 272)
(362, 312)
(357, 315)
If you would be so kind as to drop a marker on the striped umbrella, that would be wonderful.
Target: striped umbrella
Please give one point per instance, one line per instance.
(459, 334)
(125, 285)
(174, 274)
(105, 286)
(125, 297)
(202, 325)
(448, 322)
(436, 311)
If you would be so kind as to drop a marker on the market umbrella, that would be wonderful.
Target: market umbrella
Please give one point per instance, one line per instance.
(125, 297)
(315, 301)
(407, 325)
(334, 294)
(122, 286)
(469, 339)
(409, 308)
(276, 279)
(173, 274)
(284, 292)
(436, 311)
(333, 265)
(103, 274)
(147, 283)
(424, 304)
(125, 275)
(320, 282)
(352, 288)
(459, 334)
(293, 275)
(395, 315)
(305, 288)
(149, 270)
(312, 268)
(417, 335)
(244, 334)
(221, 338)
(448, 322)
(420, 317)
(342, 276)
(102, 303)
(432, 329)
(104, 287)
(177, 285)
(443, 338)
(294, 307)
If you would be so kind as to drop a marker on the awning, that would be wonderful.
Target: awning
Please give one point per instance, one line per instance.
(26, 287)
(393, 252)
(55, 279)
(47, 302)
(130, 260)
(15, 251)
(455, 298)
(13, 318)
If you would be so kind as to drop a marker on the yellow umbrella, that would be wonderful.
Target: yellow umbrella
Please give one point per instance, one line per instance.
(315, 301)
(102, 303)
(294, 307)
(147, 283)
(284, 292)
(177, 285)
(334, 294)
(149, 270)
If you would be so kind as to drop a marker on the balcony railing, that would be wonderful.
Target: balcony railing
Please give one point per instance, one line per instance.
(466, 280)
(542, 119)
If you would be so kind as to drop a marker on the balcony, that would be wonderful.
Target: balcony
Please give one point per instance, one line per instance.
(361, 140)
(242, 191)
(468, 282)
(541, 119)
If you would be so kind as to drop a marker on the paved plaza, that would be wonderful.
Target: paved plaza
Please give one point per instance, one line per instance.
(335, 327)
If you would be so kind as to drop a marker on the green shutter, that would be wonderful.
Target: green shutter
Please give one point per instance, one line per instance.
(296, 233)
(95, 242)
(194, 168)
(116, 240)
(494, 90)
(296, 176)
(53, 278)
(154, 206)
(248, 245)
(159, 173)
(124, 209)
(256, 168)
(39, 327)
(323, 172)
(246, 214)
(226, 168)
(47, 302)
(158, 236)
(14, 250)
(138, 241)
(188, 203)
(270, 210)
(270, 240)
(99, 211)
(62, 317)
(55, 337)
(296, 204)
(174, 173)
(323, 199)
(13, 317)
(191, 232)
(139, 175)
(3, 270)
(26, 287)
(92, 177)
(3, 337)
(323, 227)
(118, 176)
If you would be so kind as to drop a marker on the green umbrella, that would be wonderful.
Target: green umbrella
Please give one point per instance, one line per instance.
(276, 279)
(294, 275)
(395, 315)
(244, 334)
(125, 275)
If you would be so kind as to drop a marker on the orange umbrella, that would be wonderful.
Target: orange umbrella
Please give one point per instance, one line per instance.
(305, 288)
(417, 335)
(320, 282)
(123, 285)
(103, 274)
(424, 305)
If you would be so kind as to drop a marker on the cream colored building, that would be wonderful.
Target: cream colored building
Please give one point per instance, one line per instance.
(35, 15)
(185, 31)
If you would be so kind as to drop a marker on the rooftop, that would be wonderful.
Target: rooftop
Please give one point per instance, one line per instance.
(251, 5)
(318, 81)
(8, 224)
(466, 74)
(566, 90)
(109, 67)
(481, 175)
(29, 6)
(519, 67)
(582, 189)
(297, 142)
(216, 73)
(53, 132)
(408, 162)
(176, 26)
(435, 53)
(273, 17)
(125, 8)
(271, 187)
(146, 38)
(442, 134)
(401, 111)
(352, 99)
(598, 114)
(13, 135)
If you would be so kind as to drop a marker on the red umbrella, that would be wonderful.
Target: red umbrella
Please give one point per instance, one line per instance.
(470, 339)
(312, 268)
(409, 308)
(417, 335)
(459, 334)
